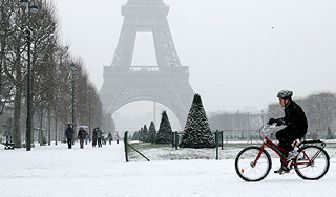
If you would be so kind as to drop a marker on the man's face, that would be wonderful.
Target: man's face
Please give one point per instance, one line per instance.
(282, 102)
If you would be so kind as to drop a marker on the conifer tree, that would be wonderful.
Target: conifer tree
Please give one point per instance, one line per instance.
(137, 137)
(145, 134)
(141, 136)
(330, 134)
(151, 133)
(165, 132)
(197, 133)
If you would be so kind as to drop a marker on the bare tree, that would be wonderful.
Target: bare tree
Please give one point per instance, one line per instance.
(51, 75)
(320, 110)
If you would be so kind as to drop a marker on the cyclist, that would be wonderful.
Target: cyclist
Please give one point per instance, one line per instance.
(296, 126)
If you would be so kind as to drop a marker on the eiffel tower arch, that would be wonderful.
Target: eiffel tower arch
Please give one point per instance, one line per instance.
(166, 83)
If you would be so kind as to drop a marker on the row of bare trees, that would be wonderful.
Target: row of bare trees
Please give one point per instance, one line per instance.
(51, 74)
(239, 121)
(320, 109)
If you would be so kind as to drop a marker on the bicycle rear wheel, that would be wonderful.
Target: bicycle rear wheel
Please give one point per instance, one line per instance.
(249, 168)
(312, 163)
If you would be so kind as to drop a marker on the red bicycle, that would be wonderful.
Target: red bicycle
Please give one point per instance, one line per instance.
(254, 163)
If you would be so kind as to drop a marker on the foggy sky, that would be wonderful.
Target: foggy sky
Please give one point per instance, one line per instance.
(239, 52)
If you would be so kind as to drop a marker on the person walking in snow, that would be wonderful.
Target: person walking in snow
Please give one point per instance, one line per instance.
(81, 136)
(94, 137)
(104, 138)
(99, 135)
(117, 137)
(296, 124)
(69, 134)
(109, 137)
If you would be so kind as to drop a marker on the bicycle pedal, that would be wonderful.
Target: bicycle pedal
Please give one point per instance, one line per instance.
(282, 171)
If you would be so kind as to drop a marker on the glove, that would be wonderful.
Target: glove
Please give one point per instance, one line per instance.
(279, 122)
(272, 121)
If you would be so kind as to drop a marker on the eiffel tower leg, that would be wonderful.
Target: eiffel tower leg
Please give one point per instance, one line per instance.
(164, 45)
(124, 51)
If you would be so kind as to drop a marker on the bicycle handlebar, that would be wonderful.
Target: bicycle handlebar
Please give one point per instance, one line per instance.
(263, 131)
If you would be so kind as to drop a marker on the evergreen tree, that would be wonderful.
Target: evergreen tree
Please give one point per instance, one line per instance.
(145, 134)
(330, 134)
(141, 136)
(135, 135)
(197, 133)
(165, 132)
(151, 133)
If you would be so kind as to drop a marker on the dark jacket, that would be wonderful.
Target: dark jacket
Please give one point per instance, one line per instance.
(295, 119)
(109, 136)
(99, 133)
(69, 132)
(94, 134)
(82, 134)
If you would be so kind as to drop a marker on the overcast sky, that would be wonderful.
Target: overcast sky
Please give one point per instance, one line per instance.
(239, 52)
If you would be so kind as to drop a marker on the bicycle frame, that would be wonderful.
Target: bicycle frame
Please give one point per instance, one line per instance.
(269, 144)
(310, 160)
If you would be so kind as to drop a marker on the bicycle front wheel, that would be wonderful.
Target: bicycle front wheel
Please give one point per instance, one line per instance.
(250, 167)
(312, 163)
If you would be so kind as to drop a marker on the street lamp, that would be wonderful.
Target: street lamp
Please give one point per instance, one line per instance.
(2, 56)
(263, 117)
(73, 68)
(30, 7)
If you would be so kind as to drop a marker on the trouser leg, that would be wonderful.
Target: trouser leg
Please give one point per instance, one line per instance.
(69, 143)
(81, 141)
(285, 138)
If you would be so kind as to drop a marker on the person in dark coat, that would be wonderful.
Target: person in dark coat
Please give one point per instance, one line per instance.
(99, 135)
(81, 136)
(69, 134)
(117, 137)
(94, 137)
(109, 137)
(296, 124)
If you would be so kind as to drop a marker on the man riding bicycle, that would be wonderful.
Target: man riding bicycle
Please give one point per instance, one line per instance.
(295, 120)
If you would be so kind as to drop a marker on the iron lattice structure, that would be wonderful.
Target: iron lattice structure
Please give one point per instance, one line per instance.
(166, 83)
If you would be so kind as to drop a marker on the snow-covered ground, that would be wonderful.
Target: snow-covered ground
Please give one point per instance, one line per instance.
(57, 171)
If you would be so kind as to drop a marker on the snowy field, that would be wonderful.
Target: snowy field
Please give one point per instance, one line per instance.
(57, 171)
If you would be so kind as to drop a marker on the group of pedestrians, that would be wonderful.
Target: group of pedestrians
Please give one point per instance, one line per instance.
(97, 137)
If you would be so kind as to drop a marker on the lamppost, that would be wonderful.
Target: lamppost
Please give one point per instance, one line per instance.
(89, 119)
(29, 7)
(73, 68)
(263, 117)
(2, 56)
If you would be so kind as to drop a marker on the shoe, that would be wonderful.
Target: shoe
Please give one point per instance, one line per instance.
(282, 170)
(292, 154)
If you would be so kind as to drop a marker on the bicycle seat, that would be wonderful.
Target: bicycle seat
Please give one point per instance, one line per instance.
(315, 141)
(318, 141)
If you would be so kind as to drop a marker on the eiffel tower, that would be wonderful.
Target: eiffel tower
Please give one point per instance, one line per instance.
(166, 83)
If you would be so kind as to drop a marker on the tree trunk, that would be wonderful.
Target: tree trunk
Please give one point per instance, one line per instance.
(56, 133)
(49, 122)
(17, 107)
(32, 111)
(17, 117)
(41, 131)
